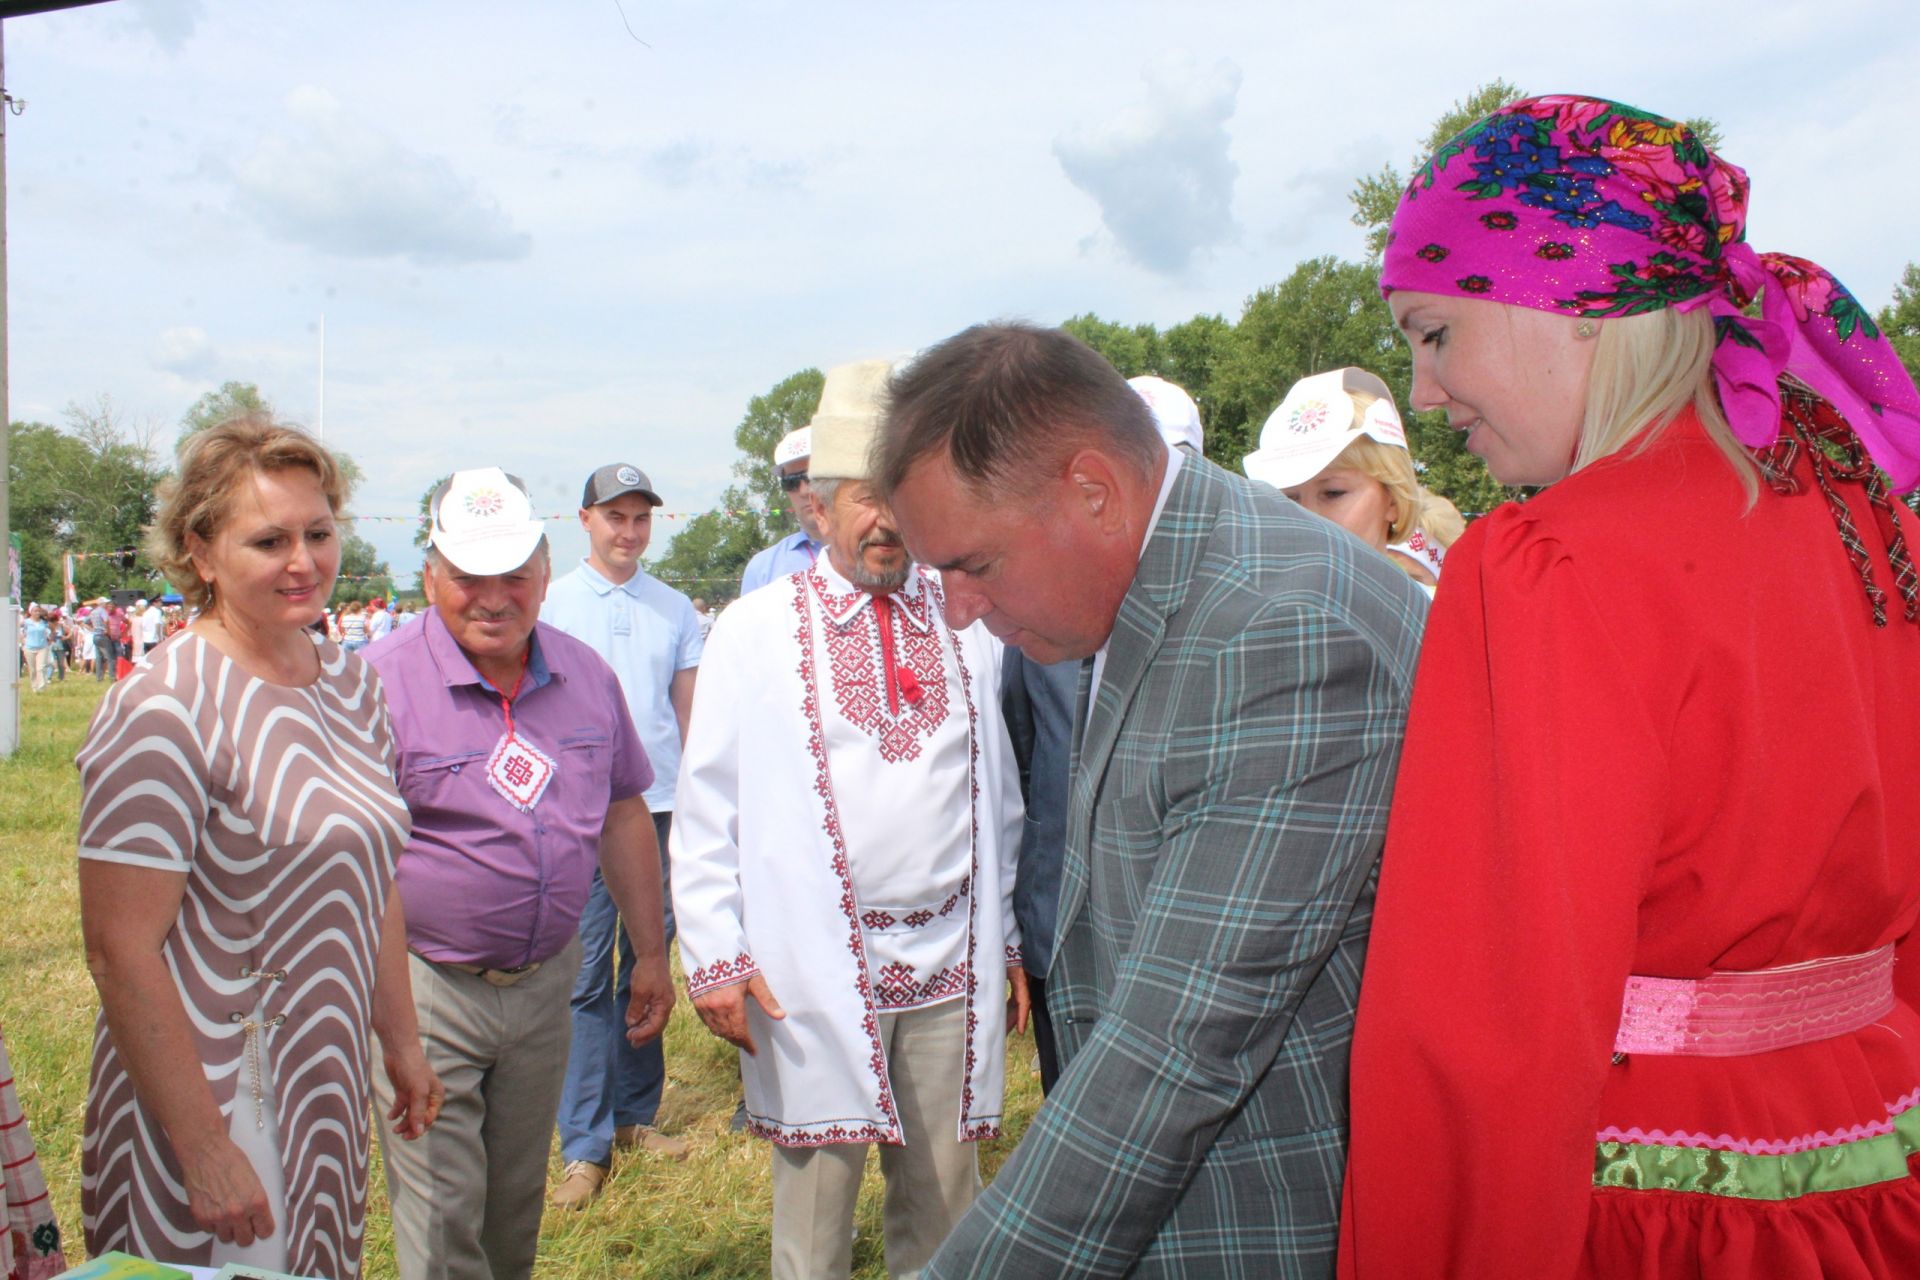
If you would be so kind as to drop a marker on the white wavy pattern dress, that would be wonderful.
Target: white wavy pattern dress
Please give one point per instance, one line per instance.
(280, 806)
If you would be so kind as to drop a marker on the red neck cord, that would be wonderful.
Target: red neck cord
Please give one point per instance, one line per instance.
(506, 699)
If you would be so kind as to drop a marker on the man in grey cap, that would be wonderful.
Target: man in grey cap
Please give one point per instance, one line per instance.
(651, 637)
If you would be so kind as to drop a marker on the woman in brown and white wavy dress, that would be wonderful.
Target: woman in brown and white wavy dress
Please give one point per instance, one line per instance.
(238, 830)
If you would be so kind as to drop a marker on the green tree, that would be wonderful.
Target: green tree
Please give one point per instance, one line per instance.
(85, 489)
(1185, 355)
(425, 530)
(1900, 319)
(231, 401)
(1327, 313)
(769, 417)
(1132, 349)
(706, 556)
(1191, 352)
(1375, 196)
(43, 466)
(363, 574)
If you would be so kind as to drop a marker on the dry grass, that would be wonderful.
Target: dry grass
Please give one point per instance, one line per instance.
(707, 1218)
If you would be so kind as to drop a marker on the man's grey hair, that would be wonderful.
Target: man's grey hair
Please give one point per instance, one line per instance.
(825, 489)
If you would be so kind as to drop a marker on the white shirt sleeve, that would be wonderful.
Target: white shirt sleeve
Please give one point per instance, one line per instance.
(705, 845)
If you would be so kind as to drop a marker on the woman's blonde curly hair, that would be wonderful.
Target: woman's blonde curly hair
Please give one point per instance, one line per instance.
(198, 497)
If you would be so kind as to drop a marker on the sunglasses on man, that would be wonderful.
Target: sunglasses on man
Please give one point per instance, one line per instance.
(793, 481)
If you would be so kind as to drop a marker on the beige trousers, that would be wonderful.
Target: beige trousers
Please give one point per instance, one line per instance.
(467, 1196)
(930, 1180)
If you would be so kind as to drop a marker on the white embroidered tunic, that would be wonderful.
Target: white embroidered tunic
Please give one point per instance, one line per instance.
(847, 822)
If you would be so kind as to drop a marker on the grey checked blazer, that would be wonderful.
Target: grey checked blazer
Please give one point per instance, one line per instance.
(1229, 800)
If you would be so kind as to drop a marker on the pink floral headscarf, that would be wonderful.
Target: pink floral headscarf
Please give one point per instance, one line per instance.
(1590, 208)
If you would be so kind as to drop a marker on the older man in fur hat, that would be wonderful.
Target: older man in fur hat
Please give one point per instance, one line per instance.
(849, 812)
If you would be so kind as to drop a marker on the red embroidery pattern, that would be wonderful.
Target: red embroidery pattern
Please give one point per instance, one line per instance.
(899, 987)
(849, 907)
(986, 1126)
(823, 1135)
(879, 921)
(720, 973)
(859, 685)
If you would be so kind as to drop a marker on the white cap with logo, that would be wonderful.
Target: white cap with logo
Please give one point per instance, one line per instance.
(1318, 420)
(483, 522)
(1174, 411)
(793, 446)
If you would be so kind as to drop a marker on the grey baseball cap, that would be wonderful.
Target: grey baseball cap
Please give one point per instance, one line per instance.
(615, 479)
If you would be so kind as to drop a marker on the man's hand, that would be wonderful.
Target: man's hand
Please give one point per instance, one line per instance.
(417, 1092)
(1019, 999)
(724, 1009)
(651, 1002)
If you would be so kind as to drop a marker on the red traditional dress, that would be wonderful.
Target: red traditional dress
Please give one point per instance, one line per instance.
(1654, 733)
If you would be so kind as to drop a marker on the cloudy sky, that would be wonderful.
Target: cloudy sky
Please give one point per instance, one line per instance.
(550, 236)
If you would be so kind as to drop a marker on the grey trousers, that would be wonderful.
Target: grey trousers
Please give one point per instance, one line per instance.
(467, 1197)
(930, 1181)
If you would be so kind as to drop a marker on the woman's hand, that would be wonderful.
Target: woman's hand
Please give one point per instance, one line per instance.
(224, 1192)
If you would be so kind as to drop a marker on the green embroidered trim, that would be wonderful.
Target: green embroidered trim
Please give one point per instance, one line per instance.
(1646, 1166)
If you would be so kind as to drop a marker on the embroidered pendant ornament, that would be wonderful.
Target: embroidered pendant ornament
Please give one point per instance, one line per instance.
(519, 771)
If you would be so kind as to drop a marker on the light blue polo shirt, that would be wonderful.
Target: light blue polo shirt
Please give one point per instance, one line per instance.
(647, 632)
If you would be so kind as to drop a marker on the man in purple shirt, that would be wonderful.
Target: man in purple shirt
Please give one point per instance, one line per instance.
(519, 761)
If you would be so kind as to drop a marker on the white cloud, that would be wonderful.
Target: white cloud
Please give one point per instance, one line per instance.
(1160, 170)
(677, 163)
(344, 187)
(171, 23)
(186, 351)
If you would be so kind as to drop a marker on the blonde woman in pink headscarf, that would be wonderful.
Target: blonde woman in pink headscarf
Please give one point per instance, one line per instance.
(1631, 1004)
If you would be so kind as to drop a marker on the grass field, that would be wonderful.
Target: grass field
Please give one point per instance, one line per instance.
(706, 1218)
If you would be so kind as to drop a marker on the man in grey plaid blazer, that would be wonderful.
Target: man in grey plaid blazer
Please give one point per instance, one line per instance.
(1248, 684)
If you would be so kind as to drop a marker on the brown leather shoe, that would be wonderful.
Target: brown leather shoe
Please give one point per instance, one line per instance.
(580, 1186)
(648, 1140)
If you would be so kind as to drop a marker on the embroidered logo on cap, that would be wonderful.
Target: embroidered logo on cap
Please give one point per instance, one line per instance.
(627, 475)
(484, 502)
(1308, 415)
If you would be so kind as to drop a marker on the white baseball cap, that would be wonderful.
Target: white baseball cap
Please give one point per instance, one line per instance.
(483, 521)
(1317, 421)
(1174, 411)
(793, 446)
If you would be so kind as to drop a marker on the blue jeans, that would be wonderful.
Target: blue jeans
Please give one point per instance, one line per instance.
(609, 1082)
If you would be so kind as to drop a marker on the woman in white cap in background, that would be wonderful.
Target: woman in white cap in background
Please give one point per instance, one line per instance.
(1337, 447)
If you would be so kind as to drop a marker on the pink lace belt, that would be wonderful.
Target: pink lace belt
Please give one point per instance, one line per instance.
(1726, 1015)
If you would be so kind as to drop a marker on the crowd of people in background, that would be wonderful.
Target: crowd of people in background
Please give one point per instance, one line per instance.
(92, 639)
(1391, 897)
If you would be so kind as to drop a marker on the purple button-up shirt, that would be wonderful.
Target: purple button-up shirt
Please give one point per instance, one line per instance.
(482, 882)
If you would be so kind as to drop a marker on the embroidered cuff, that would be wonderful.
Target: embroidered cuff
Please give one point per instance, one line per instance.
(721, 973)
(1013, 956)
